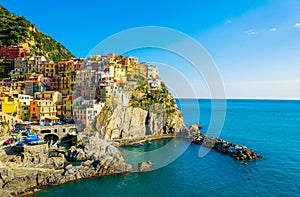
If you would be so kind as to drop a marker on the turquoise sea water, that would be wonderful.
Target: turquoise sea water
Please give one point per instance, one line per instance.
(271, 128)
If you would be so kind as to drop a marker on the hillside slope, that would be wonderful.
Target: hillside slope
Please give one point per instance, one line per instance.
(16, 30)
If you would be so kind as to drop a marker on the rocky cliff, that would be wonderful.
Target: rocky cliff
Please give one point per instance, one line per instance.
(148, 113)
(34, 168)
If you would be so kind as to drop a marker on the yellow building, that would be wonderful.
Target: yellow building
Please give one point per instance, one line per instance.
(140, 70)
(68, 75)
(130, 61)
(68, 113)
(119, 71)
(60, 108)
(67, 82)
(10, 105)
(66, 66)
(50, 69)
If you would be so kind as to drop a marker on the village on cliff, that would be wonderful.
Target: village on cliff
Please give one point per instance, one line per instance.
(43, 97)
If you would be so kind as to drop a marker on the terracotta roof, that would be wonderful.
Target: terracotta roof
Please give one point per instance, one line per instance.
(68, 98)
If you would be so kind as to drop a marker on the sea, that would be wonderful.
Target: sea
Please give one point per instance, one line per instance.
(269, 127)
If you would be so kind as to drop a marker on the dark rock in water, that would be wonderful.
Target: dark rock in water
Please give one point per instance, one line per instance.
(144, 166)
(233, 150)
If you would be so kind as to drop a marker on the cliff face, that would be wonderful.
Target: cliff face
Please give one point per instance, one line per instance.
(147, 114)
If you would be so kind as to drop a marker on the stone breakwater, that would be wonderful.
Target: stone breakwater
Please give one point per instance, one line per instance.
(233, 150)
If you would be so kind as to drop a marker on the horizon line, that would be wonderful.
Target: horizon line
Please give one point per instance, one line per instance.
(285, 99)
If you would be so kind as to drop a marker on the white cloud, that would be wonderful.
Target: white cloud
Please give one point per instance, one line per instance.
(250, 32)
(273, 29)
(228, 21)
(297, 25)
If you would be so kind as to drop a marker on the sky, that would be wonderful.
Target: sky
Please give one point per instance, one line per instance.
(255, 44)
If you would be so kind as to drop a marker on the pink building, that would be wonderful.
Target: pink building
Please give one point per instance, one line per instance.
(111, 55)
(12, 52)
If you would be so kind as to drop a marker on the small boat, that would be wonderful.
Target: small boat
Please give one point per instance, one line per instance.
(36, 142)
(149, 142)
(21, 144)
(141, 144)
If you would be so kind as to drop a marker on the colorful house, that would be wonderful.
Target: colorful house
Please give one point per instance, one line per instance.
(85, 84)
(119, 72)
(130, 61)
(66, 66)
(60, 108)
(140, 70)
(40, 110)
(79, 64)
(47, 110)
(86, 112)
(54, 96)
(34, 111)
(24, 106)
(10, 105)
(68, 103)
(12, 52)
(67, 82)
(50, 69)
(154, 84)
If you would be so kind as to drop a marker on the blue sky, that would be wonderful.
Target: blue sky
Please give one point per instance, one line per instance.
(254, 43)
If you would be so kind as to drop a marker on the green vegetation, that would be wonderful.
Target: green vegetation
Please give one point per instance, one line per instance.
(15, 30)
(5, 67)
(144, 98)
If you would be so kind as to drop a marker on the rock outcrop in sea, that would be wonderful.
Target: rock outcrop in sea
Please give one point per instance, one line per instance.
(236, 151)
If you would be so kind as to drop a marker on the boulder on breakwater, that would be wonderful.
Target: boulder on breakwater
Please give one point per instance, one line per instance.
(145, 166)
(233, 150)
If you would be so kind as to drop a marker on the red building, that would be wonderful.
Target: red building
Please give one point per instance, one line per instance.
(12, 52)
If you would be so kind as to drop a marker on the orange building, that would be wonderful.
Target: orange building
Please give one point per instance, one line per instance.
(35, 110)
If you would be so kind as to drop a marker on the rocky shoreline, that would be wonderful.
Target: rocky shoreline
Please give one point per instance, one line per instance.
(28, 173)
(236, 151)
(23, 173)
